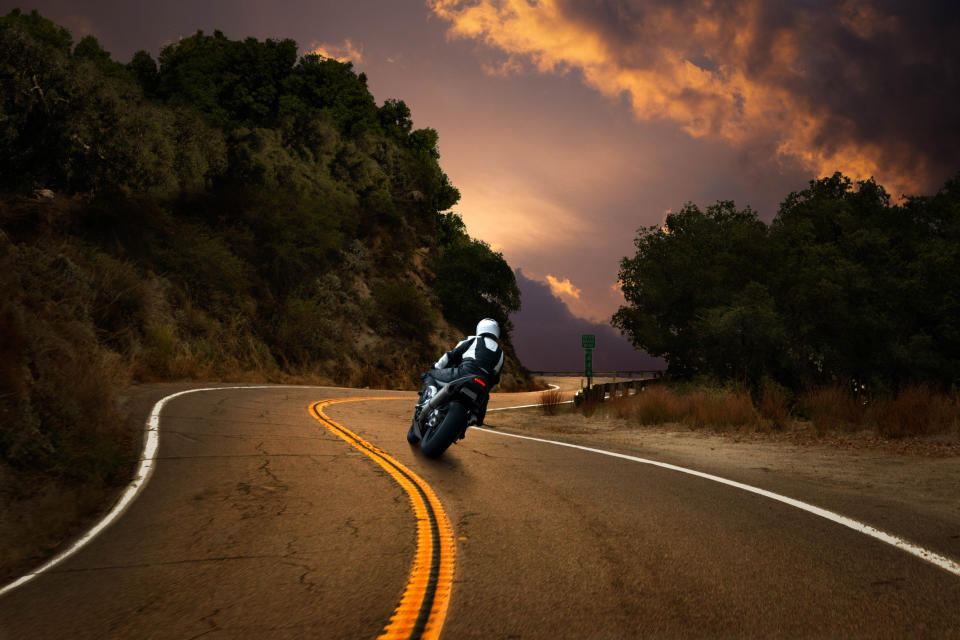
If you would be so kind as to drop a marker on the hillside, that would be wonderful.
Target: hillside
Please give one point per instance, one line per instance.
(230, 211)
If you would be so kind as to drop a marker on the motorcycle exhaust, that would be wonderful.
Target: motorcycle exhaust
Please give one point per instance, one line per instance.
(439, 398)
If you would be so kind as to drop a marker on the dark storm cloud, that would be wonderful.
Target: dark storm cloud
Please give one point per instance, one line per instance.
(867, 88)
(887, 75)
(547, 336)
(875, 73)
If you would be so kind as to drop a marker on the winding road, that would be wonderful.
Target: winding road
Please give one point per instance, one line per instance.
(284, 512)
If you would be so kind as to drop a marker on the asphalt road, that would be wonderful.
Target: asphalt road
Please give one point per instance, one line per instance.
(259, 522)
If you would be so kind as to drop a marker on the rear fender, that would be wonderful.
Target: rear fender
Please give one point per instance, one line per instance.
(473, 392)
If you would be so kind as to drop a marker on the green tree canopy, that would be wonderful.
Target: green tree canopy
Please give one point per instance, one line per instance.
(698, 260)
(841, 287)
(474, 282)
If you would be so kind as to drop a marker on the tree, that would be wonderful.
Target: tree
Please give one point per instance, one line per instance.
(89, 49)
(331, 87)
(395, 114)
(233, 83)
(144, 68)
(42, 31)
(838, 281)
(684, 271)
(475, 282)
(842, 288)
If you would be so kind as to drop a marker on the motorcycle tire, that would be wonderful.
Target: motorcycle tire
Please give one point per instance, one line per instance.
(436, 441)
(411, 436)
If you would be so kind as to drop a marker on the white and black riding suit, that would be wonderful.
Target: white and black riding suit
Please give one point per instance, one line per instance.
(474, 355)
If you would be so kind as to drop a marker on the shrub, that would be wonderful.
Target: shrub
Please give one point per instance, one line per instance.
(657, 404)
(402, 310)
(720, 409)
(775, 405)
(832, 408)
(123, 301)
(621, 407)
(550, 401)
(305, 332)
(915, 411)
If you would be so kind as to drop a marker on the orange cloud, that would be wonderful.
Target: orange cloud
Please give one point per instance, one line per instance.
(563, 287)
(524, 218)
(696, 64)
(343, 52)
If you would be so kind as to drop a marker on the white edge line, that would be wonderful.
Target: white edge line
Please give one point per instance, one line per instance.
(526, 406)
(924, 554)
(151, 442)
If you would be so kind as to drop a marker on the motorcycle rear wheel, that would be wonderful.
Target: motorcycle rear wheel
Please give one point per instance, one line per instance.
(436, 441)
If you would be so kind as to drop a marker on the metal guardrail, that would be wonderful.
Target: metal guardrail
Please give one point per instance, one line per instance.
(600, 392)
(646, 374)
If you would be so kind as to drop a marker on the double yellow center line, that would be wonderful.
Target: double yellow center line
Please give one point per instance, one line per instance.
(423, 607)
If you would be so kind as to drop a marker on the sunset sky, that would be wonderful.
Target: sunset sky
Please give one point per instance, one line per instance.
(567, 124)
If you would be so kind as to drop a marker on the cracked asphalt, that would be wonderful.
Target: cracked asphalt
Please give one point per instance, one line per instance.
(259, 523)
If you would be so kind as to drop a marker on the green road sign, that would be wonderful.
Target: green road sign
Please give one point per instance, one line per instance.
(588, 341)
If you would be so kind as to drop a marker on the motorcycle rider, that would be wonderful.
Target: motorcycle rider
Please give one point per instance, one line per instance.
(478, 355)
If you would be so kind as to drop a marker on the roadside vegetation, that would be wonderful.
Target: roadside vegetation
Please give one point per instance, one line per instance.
(841, 314)
(229, 211)
(843, 289)
(915, 411)
(550, 401)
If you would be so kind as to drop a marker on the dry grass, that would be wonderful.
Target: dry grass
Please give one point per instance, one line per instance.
(550, 401)
(775, 406)
(654, 405)
(660, 404)
(918, 410)
(915, 411)
(37, 513)
(832, 408)
(720, 409)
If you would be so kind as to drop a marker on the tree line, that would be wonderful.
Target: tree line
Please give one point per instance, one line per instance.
(228, 209)
(842, 287)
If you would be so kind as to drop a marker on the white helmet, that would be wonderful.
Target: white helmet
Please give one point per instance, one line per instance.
(488, 325)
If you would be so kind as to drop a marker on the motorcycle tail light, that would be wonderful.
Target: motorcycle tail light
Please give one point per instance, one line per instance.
(480, 382)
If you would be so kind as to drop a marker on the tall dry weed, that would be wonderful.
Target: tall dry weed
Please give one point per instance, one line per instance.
(621, 407)
(775, 406)
(720, 409)
(657, 405)
(550, 401)
(915, 411)
(832, 407)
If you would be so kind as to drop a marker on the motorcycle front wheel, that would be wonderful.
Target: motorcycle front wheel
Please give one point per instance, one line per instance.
(436, 440)
(411, 436)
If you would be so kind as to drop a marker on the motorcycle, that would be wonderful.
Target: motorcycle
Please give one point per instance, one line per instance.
(447, 409)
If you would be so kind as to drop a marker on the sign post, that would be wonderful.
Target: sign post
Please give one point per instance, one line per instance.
(588, 341)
